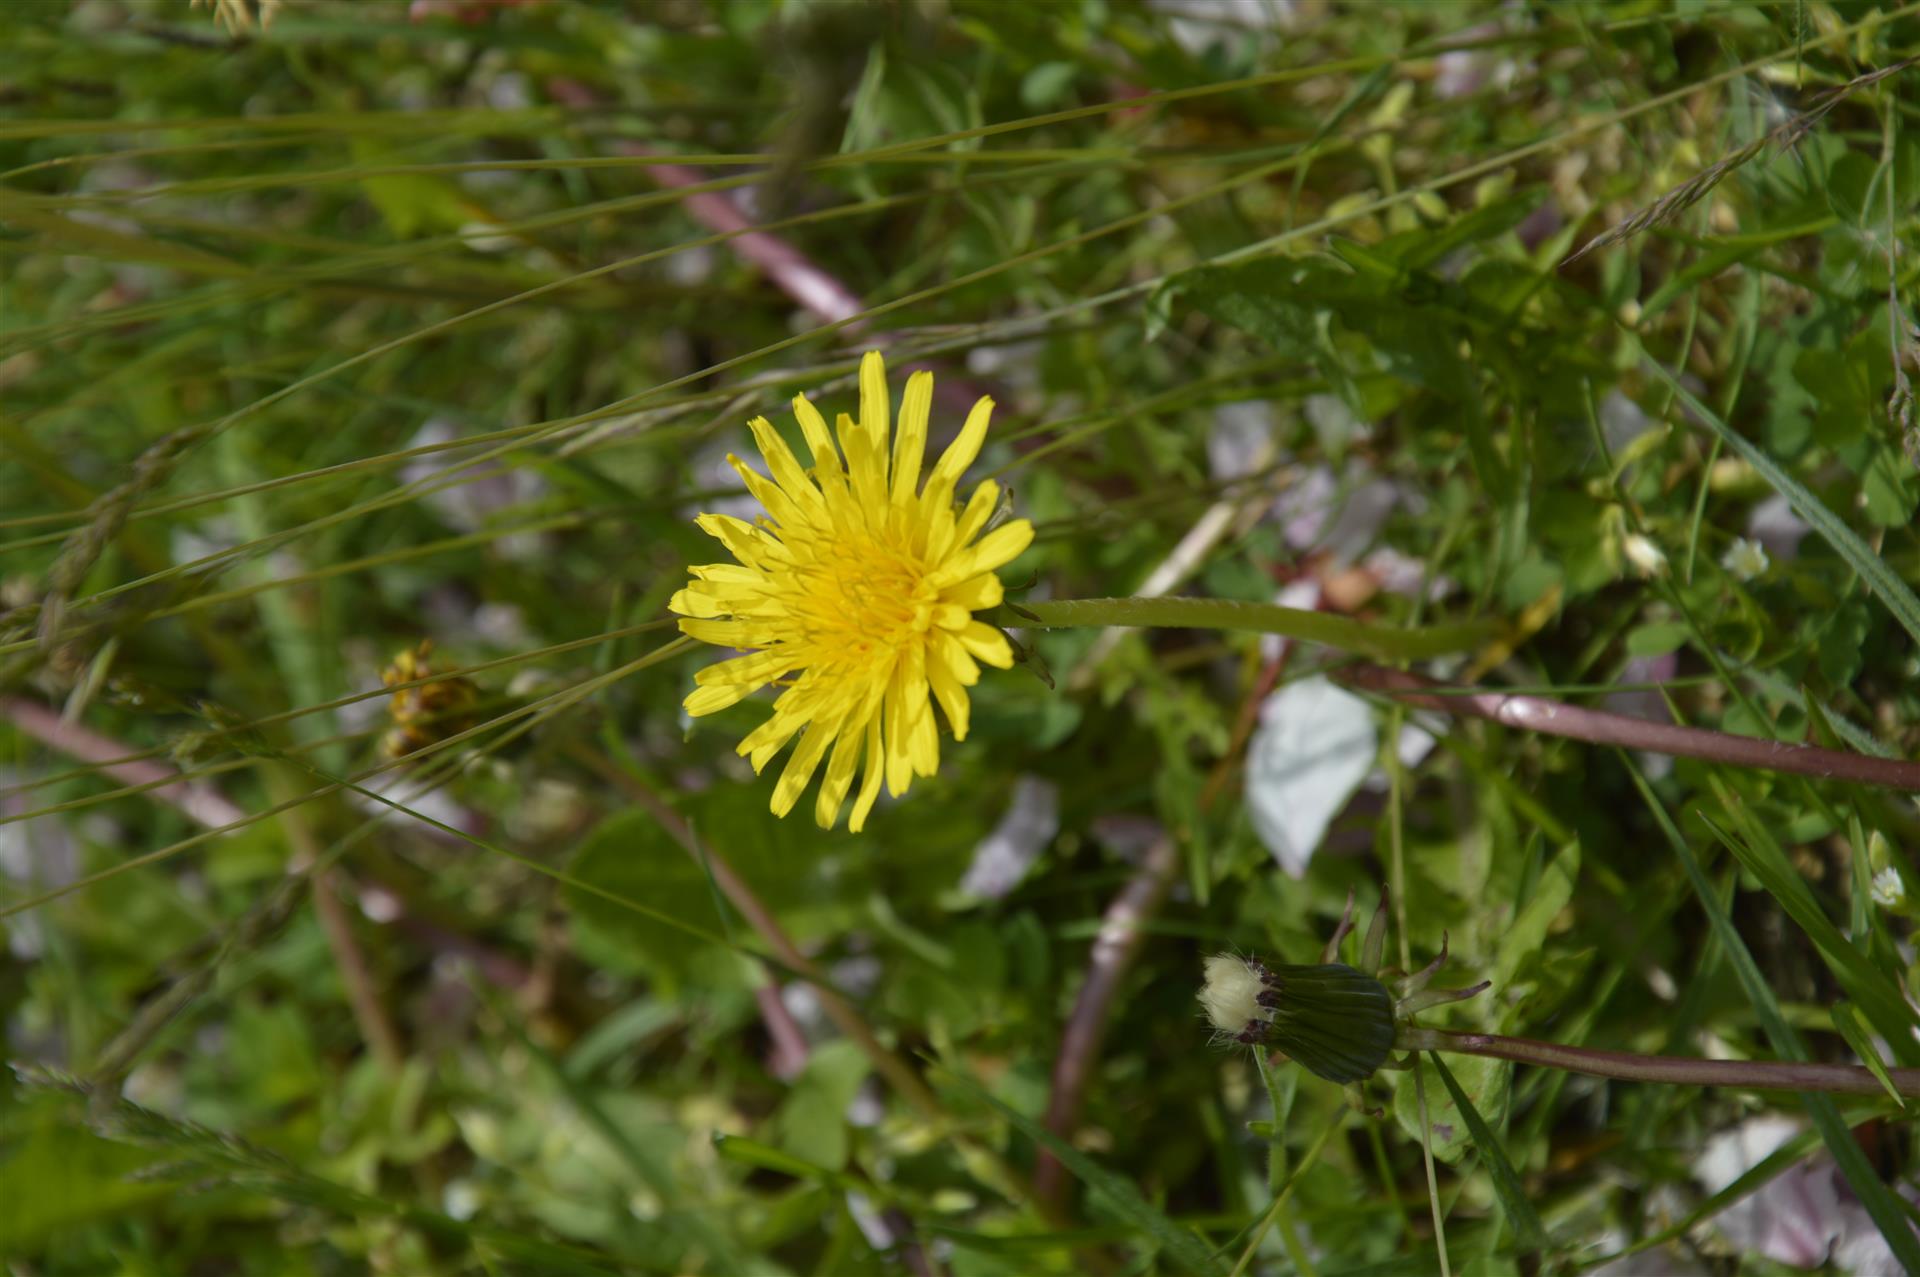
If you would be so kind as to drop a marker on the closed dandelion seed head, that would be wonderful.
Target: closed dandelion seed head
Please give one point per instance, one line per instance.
(855, 595)
(1230, 995)
(1336, 1022)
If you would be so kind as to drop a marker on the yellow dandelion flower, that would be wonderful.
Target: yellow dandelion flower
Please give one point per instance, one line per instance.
(856, 595)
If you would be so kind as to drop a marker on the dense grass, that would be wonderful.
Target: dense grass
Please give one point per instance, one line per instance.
(383, 324)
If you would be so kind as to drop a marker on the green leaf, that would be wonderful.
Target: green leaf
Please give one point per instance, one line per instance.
(1265, 618)
(630, 855)
(1889, 1215)
(1726, 254)
(1425, 247)
(59, 1178)
(746, 1152)
(1762, 856)
(812, 1122)
(1506, 1184)
(1657, 639)
(1841, 637)
(1523, 938)
(1899, 599)
(1488, 1084)
(1849, 181)
(1849, 385)
(1847, 1023)
(650, 1162)
(1886, 483)
(1179, 1245)
(1293, 306)
(413, 203)
(1048, 84)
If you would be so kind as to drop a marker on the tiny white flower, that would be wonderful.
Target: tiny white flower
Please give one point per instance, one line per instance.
(461, 1200)
(1647, 558)
(1889, 889)
(1745, 559)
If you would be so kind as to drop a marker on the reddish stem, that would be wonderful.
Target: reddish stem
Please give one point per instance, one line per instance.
(1628, 1066)
(798, 276)
(812, 287)
(1114, 948)
(1557, 718)
(198, 803)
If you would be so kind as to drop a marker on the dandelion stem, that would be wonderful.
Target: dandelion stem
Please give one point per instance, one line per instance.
(1629, 1066)
(1311, 1156)
(1181, 613)
(1122, 927)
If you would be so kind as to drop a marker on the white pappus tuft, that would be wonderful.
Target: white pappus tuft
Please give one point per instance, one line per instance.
(1231, 996)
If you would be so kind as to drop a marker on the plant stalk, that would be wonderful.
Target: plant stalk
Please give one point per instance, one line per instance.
(1629, 1066)
(1557, 718)
(1122, 929)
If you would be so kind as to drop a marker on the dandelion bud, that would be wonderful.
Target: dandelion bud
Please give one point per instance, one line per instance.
(1336, 1021)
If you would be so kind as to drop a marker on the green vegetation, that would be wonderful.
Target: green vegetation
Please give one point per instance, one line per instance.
(1364, 359)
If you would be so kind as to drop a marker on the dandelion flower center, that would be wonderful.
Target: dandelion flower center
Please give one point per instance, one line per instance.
(869, 599)
(855, 594)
